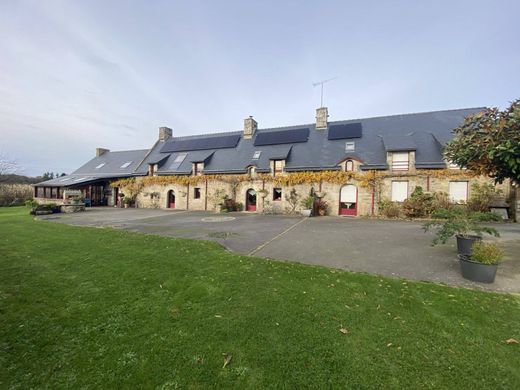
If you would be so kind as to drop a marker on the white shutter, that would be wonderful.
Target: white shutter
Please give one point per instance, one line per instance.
(399, 191)
(458, 191)
(348, 194)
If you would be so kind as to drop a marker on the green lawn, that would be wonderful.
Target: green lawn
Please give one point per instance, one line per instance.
(99, 308)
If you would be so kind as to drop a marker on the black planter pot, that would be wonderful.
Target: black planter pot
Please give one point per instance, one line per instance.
(477, 272)
(465, 244)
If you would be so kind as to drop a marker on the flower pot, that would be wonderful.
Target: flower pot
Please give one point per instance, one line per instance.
(127, 205)
(465, 244)
(306, 213)
(477, 272)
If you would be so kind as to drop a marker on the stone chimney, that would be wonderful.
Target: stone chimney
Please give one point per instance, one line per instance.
(101, 151)
(250, 126)
(322, 114)
(165, 133)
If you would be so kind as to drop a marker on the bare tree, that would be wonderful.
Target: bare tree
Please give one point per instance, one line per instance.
(7, 166)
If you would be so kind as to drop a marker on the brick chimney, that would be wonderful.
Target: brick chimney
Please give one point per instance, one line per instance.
(165, 133)
(250, 126)
(101, 151)
(322, 114)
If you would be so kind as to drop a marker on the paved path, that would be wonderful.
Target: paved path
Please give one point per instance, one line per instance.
(389, 248)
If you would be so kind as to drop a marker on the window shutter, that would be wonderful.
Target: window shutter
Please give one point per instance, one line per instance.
(348, 194)
(399, 191)
(458, 191)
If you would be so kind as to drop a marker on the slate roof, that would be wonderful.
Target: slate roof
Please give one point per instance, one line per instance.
(107, 166)
(426, 133)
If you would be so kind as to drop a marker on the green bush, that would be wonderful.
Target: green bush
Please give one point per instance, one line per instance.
(389, 209)
(456, 221)
(308, 202)
(441, 201)
(481, 196)
(419, 204)
(486, 253)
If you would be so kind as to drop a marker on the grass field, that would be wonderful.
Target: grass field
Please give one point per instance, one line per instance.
(99, 308)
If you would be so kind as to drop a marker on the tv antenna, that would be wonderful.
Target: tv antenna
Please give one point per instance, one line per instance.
(321, 83)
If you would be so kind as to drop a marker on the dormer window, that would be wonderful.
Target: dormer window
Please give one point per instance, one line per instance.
(278, 166)
(400, 161)
(257, 154)
(350, 145)
(349, 166)
(198, 168)
(251, 171)
(126, 164)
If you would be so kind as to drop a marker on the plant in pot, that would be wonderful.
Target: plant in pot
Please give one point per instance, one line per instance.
(127, 201)
(307, 204)
(482, 264)
(457, 222)
(322, 207)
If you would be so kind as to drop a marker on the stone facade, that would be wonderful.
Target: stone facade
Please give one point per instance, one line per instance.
(208, 193)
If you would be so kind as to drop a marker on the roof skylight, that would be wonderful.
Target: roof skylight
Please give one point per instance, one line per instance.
(65, 179)
(257, 154)
(350, 145)
(126, 164)
(100, 165)
(180, 157)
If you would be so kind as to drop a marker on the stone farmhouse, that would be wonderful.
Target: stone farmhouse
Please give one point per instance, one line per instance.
(351, 164)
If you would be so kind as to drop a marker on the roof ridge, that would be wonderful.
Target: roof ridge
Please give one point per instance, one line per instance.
(337, 121)
(409, 114)
(126, 151)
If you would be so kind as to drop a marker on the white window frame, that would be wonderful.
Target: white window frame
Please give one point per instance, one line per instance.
(399, 163)
(456, 193)
(351, 162)
(397, 194)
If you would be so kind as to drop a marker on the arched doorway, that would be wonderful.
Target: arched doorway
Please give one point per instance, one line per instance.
(251, 200)
(171, 199)
(348, 199)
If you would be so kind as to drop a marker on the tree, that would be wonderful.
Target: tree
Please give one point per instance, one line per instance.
(48, 176)
(6, 166)
(488, 143)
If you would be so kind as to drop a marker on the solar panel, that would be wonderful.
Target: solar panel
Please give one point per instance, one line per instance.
(226, 141)
(282, 137)
(349, 130)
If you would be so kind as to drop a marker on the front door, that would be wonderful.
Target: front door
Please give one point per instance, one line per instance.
(251, 200)
(348, 200)
(171, 199)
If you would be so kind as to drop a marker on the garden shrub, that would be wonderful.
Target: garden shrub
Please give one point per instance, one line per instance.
(441, 201)
(389, 209)
(486, 253)
(481, 196)
(418, 205)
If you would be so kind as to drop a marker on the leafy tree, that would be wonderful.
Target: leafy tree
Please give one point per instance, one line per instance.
(48, 176)
(489, 143)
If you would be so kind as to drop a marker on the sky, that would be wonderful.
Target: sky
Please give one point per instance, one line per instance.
(76, 75)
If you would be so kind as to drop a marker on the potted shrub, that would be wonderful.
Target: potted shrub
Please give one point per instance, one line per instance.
(127, 201)
(323, 207)
(482, 265)
(307, 204)
(458, 223)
